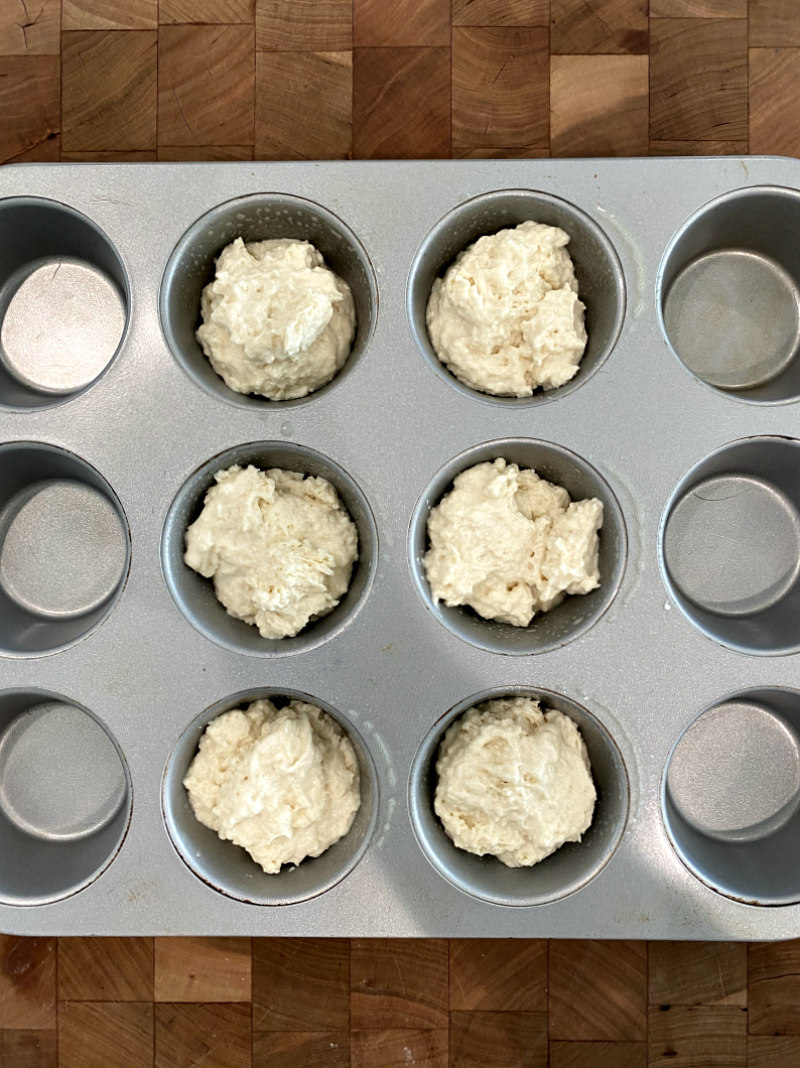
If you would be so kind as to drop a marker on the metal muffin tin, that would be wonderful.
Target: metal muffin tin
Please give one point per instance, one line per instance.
(680, 668)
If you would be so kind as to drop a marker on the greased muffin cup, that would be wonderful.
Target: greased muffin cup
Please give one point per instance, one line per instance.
(680, 669)
(228, 868)
(563, 872)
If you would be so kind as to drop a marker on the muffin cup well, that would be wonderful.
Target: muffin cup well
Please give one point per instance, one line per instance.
(730, 796)
(728, 294)
(601, 282)
(228, 868)
(259, 217)
(576, 614)
(563, 872)
(729, 546)
(63, 302)
(65, 797)
(195, 596)
(64, 548)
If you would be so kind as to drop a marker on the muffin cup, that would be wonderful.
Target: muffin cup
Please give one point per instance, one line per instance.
(65, 797)
(563, 872)
(601, 282)
(576, 614)
(63, 302)
(729, 546)
(259, 217)
(229, 869)
(730, 796)
(195, 596)
(64, 548)
(728, 294)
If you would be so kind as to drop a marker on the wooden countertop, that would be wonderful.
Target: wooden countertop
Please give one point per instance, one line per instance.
(279, 79)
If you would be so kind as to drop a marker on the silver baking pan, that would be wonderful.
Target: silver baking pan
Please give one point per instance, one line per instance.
(681, 669)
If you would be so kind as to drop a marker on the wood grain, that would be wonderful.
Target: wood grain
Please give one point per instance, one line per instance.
(399, 1048)
(501, 12)
(304, 25)
(108, 89)
(27, 983)
(206, 85)
(697, 973)
(201, 1036)
(582, 1007)
(29, 1049)
(202, 969)
(30, 88)
(401, 103)
(599, 106)
(774, 23)
(598, 1055)
(105, 969)
(606, 26)
(767, 1051)
(700, 9)
(498, 1039)
(109, 15)
(301, 984)
(774, 90)
(500, 86)
(387, 23)
(684, 1036)
(203, 153)
(490, 973)
(698, 79)
(301, 1049)
(98, 1034)
(209, 11)
(773, 988)
(398, 983)
(30, 29)
(698, 148)
(304, 105)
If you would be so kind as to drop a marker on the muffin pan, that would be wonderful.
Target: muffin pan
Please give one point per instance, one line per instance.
(680, 669)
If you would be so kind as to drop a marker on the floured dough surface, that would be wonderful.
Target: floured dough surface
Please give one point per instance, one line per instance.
(505, 317)
(282, 783)
(514, 781)
(510, 544)
(276, 320)
(279, 546)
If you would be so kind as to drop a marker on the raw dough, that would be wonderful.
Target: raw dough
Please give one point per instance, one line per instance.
(279, 546)
(510, 544)
(276, 320)
(514, 781)
(506, 318)
(281, 783)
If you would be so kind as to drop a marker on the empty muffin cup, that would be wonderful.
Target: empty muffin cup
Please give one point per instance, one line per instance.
(259, 217)
(195, 596)
(601, 282)
(65, 797)
(729, 546)
(64, 548)
(563, 872)
(731, 796)
(229, 869)
(577, 613)
(63, 302)
(728, 294)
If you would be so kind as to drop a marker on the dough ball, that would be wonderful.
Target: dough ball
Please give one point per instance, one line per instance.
(510, 544)
(281, 783)
(279, 546)
(276, 320)
(506, 318)
(514, 781)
